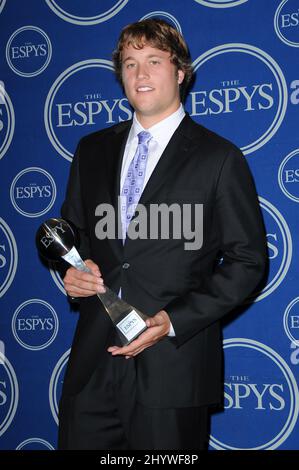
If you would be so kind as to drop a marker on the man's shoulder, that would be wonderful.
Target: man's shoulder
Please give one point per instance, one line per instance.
(209, 138)
(97, 136)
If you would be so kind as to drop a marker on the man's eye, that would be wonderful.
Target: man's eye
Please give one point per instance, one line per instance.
(155, 62)
(130, 65)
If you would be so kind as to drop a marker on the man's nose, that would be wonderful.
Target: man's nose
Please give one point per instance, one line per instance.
(142, 71)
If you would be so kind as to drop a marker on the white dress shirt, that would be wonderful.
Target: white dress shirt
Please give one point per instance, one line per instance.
(161, 135)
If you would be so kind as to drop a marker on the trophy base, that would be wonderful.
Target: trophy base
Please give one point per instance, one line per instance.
(130, 327)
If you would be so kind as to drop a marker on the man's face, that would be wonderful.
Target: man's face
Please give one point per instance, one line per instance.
(151, 83)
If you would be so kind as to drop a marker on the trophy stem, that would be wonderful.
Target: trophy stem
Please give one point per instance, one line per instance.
(129, 321)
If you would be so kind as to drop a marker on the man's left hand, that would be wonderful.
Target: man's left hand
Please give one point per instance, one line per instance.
(158, 327)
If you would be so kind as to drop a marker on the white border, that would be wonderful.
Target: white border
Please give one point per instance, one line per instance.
(278, 75)
(35, 439)
(10, 124)
(293, 387)
(168, 16)
(280, 175)
(276, 27)
(2, 5)
(13, 251)
(287, 248)
(12, 187)
(86, 21)
(4, 362)
(84, 64)
(53, 384)
(285, 321)
(54, 333)
(43, 67)
(217, 4)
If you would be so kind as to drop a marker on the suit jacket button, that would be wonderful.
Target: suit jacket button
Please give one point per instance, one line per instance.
(126, 266)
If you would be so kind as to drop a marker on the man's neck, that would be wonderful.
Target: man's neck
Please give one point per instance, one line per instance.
(149, 121)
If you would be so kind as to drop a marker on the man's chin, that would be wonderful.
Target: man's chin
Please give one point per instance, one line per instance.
(146, 112)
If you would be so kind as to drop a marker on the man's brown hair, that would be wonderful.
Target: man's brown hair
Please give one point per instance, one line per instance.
(161, 35)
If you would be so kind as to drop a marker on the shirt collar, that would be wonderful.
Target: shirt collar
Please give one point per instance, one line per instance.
(164, 129)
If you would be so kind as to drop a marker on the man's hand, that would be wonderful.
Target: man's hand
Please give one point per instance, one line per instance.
(158, 327)
(80, 284)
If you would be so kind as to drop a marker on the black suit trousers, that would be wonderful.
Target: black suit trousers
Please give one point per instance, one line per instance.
(106, 416)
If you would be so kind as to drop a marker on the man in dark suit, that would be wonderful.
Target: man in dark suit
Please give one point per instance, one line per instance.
(155, 392)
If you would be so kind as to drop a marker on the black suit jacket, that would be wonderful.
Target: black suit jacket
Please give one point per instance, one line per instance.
(195, 289)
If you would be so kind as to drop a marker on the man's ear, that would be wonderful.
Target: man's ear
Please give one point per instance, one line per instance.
(181, 76)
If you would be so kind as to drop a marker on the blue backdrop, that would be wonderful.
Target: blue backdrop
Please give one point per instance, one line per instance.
(57, 84)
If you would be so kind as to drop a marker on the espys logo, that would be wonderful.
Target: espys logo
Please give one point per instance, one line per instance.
(34, 443)
(7, 120)
(56, 382)
(8, 257)
(221, 3)
(280, 248)
(286, 22)
(35, 324)
(291, 321)
(249, 102)
(288, 176)
(86, 13)
(2, 3)
(261, 397)
(164, 15)
(9, 393)
(28, 51)
(33, 192)
(81, 100)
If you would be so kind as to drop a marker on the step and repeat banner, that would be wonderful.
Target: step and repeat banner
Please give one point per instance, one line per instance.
(56, 85)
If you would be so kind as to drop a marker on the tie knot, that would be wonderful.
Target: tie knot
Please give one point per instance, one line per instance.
(144, 137)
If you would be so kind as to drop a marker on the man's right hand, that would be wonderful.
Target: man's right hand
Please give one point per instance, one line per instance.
(80, 284)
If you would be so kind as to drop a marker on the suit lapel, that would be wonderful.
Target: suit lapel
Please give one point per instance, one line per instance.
(114, 160)
(114, 164)
(176, 150)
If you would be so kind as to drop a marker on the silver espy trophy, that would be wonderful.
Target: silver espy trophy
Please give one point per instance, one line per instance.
(55, 239)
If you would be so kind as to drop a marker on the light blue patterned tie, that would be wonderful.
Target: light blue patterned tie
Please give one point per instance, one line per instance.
(133, 183)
